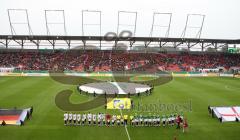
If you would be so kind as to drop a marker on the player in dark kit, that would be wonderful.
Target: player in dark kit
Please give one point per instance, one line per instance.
(108, 117)
(178, 121)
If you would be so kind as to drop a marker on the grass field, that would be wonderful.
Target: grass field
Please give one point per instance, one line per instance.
(47, 121)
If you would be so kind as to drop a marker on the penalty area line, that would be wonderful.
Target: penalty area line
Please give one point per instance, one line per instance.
(126, 127)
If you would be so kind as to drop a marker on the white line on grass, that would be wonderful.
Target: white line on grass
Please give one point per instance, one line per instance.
(231, 88)
(125, 127)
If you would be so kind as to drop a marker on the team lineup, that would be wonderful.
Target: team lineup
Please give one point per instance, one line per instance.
(102, 119)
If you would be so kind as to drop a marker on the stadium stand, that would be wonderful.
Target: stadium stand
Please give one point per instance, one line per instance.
(116, 61)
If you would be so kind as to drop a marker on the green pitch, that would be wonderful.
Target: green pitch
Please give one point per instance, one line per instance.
(47, 121)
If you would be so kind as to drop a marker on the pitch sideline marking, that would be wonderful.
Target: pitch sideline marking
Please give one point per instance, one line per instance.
(126, 128)
(228, 88)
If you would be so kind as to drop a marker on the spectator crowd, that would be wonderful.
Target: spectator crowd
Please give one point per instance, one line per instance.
(104, 61)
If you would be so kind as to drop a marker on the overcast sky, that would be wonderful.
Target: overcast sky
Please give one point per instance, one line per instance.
(222, 16)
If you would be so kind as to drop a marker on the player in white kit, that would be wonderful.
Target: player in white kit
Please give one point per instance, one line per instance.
(84, 116)
(89, 117)
(104, 118)
(99, 119)
(74, 118)
(94, 117)
(65, 118)
(78, 119)
(114, 118)
(70, 118)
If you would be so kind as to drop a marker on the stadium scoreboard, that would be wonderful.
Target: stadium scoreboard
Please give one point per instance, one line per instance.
(233, 50)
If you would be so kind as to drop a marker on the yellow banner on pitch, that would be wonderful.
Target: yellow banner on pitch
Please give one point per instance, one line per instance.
(119, 103)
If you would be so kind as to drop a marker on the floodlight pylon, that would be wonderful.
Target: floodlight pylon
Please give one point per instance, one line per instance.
(199, 33)
(12, 23)
(94, 24)
(160, 25)
(131, 25)
(55, 23)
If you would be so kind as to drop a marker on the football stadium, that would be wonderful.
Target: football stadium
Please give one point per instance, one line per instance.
(153, 70)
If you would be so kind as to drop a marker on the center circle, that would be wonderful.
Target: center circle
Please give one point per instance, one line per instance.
(114, 88)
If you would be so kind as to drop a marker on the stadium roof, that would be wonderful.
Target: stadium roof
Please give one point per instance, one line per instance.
(189, 42)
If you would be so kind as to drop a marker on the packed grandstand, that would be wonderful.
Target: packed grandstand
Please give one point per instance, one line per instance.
(105, 61)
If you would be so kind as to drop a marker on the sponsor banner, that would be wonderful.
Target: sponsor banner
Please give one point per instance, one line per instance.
(77, 74)
(226, 75)
(89, 74)
(180, 74)
(196, 75)
(100, 74)
(2, 74)
(119, 103)
(110, 74)
(237, 76)
(12, 74)
(212, 74)
(24, 74)
(36, 74)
